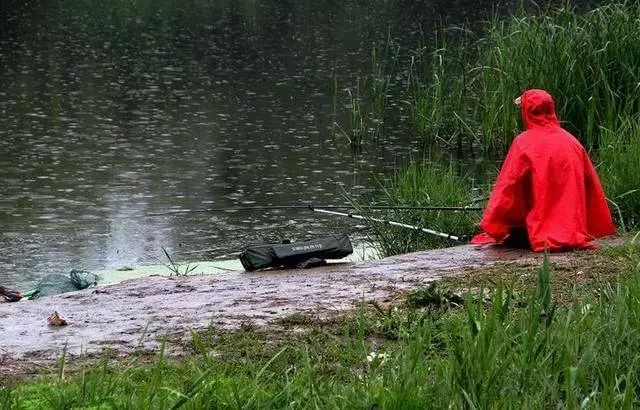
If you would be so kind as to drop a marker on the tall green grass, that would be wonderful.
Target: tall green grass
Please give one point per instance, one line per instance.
(619, 166)
(421, 183)
(587, 60)
(488, 354)
(437, 99)
(464, 84)
(368, 100)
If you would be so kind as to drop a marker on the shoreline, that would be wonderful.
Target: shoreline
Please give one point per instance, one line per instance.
(137, 315)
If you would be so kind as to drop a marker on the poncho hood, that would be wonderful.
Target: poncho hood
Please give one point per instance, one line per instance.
(538, 109)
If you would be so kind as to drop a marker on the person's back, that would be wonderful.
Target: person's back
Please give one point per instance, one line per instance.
(547, 186)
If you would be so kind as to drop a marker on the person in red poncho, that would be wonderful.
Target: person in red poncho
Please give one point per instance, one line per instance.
(547, 191)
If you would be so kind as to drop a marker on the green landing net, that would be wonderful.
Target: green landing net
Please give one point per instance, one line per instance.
(54, 284)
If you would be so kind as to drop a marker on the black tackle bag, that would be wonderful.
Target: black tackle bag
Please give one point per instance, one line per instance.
(296, 254)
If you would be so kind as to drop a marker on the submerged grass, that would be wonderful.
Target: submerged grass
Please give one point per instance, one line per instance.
(490, 353)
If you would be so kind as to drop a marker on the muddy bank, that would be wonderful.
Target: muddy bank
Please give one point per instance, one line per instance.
(138, 314)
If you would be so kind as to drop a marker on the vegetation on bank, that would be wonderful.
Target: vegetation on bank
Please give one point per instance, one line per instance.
(461, 86)
(423, 185)
(566, 335)
(457, 93)
(619, 170)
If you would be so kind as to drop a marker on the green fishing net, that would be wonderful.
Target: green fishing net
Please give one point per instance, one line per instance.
(54, 284)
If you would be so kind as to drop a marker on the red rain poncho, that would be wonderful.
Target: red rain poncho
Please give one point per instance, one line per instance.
(547, 185)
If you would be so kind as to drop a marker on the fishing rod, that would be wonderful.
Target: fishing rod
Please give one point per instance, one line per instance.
(278, 207)
(461, 238)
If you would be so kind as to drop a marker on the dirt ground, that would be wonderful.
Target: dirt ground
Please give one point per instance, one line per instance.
(136, 315)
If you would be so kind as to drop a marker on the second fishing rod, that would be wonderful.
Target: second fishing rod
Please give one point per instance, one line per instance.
(457, 238)
(308, 206)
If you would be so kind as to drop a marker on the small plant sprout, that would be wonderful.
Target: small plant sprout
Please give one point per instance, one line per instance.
(177, 269)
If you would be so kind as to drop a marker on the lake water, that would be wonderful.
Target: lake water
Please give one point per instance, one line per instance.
(112, 111)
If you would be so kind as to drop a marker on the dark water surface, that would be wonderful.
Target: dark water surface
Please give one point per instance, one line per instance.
(110, 111)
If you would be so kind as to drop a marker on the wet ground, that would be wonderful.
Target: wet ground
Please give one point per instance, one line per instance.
(136, 315)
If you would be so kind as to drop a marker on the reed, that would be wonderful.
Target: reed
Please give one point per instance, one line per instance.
(421, 183)
(619, 166)
(334, 105)
(586, 60)
(463, 84)
(383, 66)
(356, 132)
(438, 80)
(368, 99)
